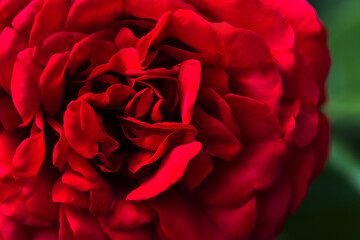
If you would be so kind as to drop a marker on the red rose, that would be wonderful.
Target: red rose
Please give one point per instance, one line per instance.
(164, 119)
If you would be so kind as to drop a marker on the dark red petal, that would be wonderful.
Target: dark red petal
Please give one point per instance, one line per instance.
(51, 233)
(123, 60)
(102, 51)
(263, 84)
(58, 42)
(8, 145)
(273, 205)
(150, 135)
(255, 119)
(288, 113)
(81, 165)
(217, 138)
(9, 9)
(197, 170)
(236, 223)
(142, 158)
(92, 127)
(141, 233)
(217, 107)
(189, 83)
(185, 22)
(171, 170)
(306, 124)
(90, 16)
(40, 204)
(80, 54)
(9, 117)
(100, 201)
(128, 215)
(153, 10)
(25, 86)
(300, 85)
(50, 19)
(23, 22)
(62, 193)
(11, 44)
(310, 37)
(125, 38)
(253, 15)
(30, 154)
(215, 78)
(232, 183)
(79, 182)
(182, 217)
(10, 229)
(52, 82)
(76, 137)
(246, 49)
(83, 225)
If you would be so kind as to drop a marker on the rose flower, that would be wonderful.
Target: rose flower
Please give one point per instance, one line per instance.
(162, 119)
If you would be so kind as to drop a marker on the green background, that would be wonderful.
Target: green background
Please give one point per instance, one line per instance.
(331, 209)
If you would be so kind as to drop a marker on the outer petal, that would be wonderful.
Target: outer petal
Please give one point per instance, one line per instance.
(48, 20)
(30, 154)
(11, 44)
(310, 36)
(181, 217)
(25, 86)
(91, 16)
(232, 183)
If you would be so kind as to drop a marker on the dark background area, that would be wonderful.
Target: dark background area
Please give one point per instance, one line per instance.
(331, 210)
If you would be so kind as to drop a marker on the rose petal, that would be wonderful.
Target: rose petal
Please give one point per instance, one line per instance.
(90, 16)
(11, 44)
(181, 217)
(236, 223)
(76, 137)
(58, 42)
(218, 140)
(48, 20)
(93, 128)
(197, 170)
(80, 54)
(24, 21)
(52, 82)
(272, 207)
(263, 84)
(82, 224)
(256, 121)
(306, 124)
(257, 168)
(253, 15)
(128, 215)
(189, 83)
(30, 153)
(10, 229)
(9, 9)
(62, 193)
(9, 117)
(25, 86)
(171, 170)
(310, 37)
(150, 135)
